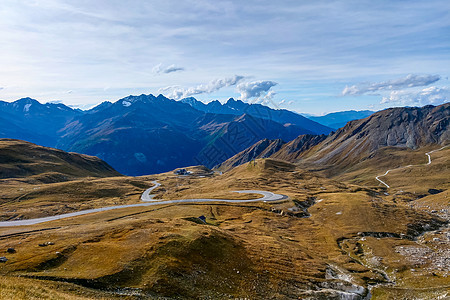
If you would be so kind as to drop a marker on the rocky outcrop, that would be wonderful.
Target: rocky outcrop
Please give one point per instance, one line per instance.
(292, 150)
(262, 149)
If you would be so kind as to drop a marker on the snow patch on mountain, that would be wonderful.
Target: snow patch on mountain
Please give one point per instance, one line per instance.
(26, 107)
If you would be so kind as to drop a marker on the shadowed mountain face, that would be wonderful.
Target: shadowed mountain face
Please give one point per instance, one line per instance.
(262, 149)
(274, 149)
(146, 134)
(237, 107)
(292, 150)
(358, 140)
(30, 120)
(23, 159)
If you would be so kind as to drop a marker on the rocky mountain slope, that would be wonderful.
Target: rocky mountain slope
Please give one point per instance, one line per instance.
(274, 149)
(405, 127)
(19, 159)
(292, 150)
(359, 140)
(262, 149)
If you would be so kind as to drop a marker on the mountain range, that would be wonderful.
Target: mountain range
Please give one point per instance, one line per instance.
(29, 120)
(339, 119)
(146, 134)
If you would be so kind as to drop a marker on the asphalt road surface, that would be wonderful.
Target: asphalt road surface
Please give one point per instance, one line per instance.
(148, 200)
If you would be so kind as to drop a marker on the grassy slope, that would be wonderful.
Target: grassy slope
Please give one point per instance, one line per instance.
(20, 159)
(31, 289)
(245, 250)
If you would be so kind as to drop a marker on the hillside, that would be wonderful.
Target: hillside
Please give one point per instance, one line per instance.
(329, 240)
(20, 159)
(274, 149)
(292, 150)
(261, 149)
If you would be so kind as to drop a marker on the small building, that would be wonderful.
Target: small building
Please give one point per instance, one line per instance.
(181, 172)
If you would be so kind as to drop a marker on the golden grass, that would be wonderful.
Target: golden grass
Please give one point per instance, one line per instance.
(244, 250)
(31, 289)
(22, 199)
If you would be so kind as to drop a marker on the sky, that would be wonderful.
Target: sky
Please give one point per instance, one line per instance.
(307, 56)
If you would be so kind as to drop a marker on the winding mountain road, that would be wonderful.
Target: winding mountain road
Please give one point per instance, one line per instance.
(148, 200)
(409, 166)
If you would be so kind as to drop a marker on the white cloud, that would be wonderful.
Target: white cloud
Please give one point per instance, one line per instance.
(430, 95)
(255, 89)
(177, 92)
(159, 69)
(309, 46)
(409, 81)
(266, 99)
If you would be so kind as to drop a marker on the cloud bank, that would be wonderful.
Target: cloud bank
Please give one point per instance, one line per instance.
(176, 92)
(255, 89)
(409, 81)
(430, 95)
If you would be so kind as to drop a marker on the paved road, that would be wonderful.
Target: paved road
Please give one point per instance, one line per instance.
(149, 201)
(408, 166)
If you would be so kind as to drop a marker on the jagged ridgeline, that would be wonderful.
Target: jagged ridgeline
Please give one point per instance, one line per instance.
(147, 134)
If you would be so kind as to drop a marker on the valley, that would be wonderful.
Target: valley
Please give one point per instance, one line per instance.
(240, 150)
(299, 229)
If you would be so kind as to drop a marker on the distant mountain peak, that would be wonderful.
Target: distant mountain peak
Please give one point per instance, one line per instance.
(161, 97)
(27, 100)
(140, 98)
(238, 108)
(236, 104)
(189, 100)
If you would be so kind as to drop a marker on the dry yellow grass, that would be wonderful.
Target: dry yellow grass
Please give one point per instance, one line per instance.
(18, 288)
(244, 250)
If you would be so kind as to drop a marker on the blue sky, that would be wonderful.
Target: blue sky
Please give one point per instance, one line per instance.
(307, 56)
